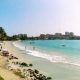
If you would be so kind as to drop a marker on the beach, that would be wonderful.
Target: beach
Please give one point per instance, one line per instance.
(56, 61)
(16, 65)
(39, 40)
(13, 50)
(58, 71)
(6, 74)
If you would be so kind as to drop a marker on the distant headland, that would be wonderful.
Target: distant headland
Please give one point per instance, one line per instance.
(59, 36)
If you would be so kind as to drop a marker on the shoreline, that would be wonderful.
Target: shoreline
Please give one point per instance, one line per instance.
(21, 60)
(55, 58)
(52, 58)
(55, 70)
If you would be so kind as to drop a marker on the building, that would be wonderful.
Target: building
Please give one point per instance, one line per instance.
(67, 33)
(58, 34)
(70, 34)
(49, 36)
(42, 36)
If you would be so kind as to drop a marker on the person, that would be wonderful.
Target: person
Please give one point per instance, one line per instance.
(25, 48)
(33, 48)
(0, 47)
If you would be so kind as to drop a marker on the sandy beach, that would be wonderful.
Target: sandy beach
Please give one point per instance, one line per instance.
(6, 74)
(58, 71)
(12, 50)
(17, 66)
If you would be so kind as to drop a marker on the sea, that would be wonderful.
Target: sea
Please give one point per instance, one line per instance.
(59, 59)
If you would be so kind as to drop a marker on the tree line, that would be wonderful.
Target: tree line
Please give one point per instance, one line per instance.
(4, 36)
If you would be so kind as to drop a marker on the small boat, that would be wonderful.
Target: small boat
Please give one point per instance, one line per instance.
(63, 45)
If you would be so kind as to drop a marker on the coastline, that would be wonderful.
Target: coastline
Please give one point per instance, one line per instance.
(58, 71)
(55, 57)
(15, 51)
(7, 45)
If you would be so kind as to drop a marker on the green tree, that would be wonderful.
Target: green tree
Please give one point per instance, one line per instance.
(3, 35)
(22, 36)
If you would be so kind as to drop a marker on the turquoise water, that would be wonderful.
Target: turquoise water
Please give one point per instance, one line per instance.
(69, 49)
(55, 45)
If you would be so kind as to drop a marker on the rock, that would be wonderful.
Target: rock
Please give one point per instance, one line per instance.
(36, 71)
(49, 78)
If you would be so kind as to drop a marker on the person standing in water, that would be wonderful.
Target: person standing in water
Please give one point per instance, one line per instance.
(33, 48)
(25, 48)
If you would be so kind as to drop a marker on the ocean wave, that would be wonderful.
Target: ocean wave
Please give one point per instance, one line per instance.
(51, 58)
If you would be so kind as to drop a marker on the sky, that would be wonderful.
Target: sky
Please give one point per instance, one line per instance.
(35, 17)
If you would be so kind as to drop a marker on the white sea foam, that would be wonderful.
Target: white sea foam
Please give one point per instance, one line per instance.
(51, 58)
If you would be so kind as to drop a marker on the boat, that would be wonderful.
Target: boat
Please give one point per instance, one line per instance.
(63, 45)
